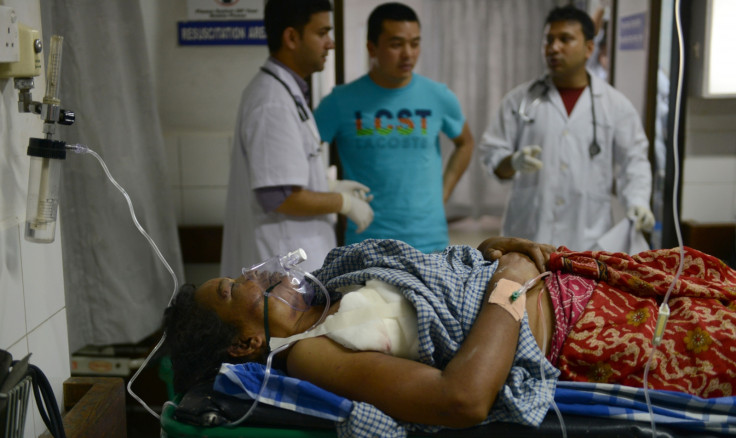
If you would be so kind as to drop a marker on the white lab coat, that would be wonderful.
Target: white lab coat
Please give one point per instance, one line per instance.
(568, 202)
(273, 147)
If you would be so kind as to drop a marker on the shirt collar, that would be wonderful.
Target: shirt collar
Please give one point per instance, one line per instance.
(300, 81)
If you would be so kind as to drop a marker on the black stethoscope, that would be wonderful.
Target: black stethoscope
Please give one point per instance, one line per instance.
(525, 108)
(303, 113)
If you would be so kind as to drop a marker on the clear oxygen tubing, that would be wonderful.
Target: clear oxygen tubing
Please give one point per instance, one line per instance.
(81, 149)
(664, 310)
(269, 360)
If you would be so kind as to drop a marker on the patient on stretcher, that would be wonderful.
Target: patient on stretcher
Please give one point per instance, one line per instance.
(473, 361)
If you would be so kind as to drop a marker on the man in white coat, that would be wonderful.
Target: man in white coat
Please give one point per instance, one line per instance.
(567, 140)
(279, 198)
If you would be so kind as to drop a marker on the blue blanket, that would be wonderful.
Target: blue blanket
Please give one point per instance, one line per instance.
(585, 399)
(245, 381)
(670, 408)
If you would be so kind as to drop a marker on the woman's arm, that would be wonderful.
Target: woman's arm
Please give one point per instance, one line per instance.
(461, 395)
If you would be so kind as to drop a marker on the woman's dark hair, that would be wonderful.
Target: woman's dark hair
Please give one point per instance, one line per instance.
(388, 11)
(196, 340)
(282, 14)
(571, 13)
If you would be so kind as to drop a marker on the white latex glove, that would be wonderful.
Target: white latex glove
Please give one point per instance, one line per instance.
(357, 210)
(642, 216)
(525, 159)
(353, 188)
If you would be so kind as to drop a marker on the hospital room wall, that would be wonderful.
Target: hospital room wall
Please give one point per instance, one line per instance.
(709, 167)
(32, 304)
(709, 164)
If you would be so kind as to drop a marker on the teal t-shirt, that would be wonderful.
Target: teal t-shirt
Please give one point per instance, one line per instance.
(388, 139)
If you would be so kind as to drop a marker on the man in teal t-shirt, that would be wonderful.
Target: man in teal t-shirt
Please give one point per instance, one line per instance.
(386, 125)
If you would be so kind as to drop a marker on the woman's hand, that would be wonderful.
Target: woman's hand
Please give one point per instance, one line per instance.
(495, 247)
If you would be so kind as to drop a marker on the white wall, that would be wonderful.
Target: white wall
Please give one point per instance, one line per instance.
(630, 67)
(199, 90)
(32, 309)
(709, 166)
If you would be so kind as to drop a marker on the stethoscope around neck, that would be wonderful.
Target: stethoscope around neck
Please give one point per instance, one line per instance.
(301, 109)
(525, 108)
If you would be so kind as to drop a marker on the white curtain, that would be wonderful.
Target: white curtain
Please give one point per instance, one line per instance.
(116, 287)
(481, 49)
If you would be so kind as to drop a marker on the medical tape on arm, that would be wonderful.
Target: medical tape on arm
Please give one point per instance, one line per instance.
(504, 295)
(347, 319)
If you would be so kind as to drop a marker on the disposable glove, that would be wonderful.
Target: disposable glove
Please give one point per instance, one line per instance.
(642, 216)
(525, 159)
(357, 210)
(349, 187)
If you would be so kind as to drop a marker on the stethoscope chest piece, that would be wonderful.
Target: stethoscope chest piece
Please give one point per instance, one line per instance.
(594, 149)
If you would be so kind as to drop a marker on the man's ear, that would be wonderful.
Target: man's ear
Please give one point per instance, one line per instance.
(371, 47)
(291, 38)
(241, 347)
(589, 48)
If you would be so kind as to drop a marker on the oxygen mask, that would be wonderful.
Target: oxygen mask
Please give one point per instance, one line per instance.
(278, 277)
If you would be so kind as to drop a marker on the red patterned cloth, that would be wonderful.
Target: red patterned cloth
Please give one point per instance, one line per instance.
(569, 294)
(612, 340)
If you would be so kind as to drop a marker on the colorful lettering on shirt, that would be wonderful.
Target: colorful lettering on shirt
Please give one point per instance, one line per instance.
(359, 129)
(394, 142)
(377, 120)
(405, 125)
(408, 125)
(424, 114)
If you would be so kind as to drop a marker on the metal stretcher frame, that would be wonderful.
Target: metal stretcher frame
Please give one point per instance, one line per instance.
(170, 428)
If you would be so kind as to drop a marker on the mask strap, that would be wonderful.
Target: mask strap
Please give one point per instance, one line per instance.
(265, 317)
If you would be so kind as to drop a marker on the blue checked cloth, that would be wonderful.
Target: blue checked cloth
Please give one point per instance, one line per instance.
(245, 380)
(447, 289)
(669, 407)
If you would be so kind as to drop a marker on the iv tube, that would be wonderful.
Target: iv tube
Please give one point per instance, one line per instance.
(81, 149)
(664, 309)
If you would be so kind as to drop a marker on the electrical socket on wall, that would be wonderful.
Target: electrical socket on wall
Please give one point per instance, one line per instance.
(9, 42)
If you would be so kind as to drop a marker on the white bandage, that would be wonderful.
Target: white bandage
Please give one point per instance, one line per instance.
(504, 296)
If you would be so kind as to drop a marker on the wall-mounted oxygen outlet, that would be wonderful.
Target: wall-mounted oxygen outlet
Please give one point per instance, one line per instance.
(9, 45)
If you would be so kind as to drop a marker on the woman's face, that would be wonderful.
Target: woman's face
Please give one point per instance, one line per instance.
(238, 302)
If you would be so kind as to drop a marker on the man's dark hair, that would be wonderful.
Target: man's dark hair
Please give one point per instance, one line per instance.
(571, 13)
(196, 340)
(388, 11)
(282, 14)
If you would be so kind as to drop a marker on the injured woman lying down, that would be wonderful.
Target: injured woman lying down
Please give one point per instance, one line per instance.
(466, 336)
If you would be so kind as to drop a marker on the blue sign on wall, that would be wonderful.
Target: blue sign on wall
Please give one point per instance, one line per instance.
(208, 33)
(632, 30)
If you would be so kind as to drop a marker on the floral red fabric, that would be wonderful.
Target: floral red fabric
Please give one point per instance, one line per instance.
(611, 342)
